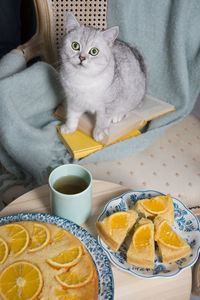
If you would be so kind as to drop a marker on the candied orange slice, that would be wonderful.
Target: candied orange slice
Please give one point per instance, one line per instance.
(59, 235)
(67, 258)
(77, 276)
(156, 205)
(18, 238)
(40, 237)
(166, 236)
(142, 236)
(119, 220)
(4, 251)
(21, 280)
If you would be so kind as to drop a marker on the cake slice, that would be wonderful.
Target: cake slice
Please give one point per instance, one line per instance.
(171, 246)
(141, 251)
(114, 229)
(159, 205)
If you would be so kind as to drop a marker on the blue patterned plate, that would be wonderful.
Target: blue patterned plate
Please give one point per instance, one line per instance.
(186, 224)
(106, 284)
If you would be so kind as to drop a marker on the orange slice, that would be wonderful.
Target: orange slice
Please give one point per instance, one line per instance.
(59, 235)
(21, 280)
(67, 258)
(4, 250)
(119, 224)
(40, 237)
(157, 205)
(77, 276)
(119, 221)
(167, 237)
(141, 251)
(18, 238)
(142, 237)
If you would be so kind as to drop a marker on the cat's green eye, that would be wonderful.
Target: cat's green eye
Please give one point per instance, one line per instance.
(75, 46)
(94, 51)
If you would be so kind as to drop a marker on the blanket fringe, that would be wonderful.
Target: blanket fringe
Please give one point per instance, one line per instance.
(8, 181)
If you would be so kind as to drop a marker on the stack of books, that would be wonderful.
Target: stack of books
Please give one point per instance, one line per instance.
(81, 142)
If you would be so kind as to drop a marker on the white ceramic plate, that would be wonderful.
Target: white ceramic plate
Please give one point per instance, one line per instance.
(106, 284)
(186, 224)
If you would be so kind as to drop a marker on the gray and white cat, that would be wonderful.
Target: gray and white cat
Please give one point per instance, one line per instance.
(100, 75)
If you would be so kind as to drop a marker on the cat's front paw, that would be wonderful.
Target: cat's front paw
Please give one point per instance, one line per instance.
(100, 133)
(118, 118)
(66, 129)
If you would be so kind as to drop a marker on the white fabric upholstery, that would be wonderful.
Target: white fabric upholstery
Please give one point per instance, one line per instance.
(170, 165)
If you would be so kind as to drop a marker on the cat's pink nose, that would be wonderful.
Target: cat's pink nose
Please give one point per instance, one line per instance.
(81, 58)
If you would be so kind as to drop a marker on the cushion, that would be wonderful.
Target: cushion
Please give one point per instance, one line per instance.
(170, 165)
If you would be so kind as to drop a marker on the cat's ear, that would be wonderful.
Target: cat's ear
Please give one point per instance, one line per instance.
(71, 22)
(110, 35)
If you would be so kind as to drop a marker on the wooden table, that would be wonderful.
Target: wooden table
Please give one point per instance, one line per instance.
(127, 286)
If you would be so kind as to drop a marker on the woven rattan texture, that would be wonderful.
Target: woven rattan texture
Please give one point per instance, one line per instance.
(89, 12)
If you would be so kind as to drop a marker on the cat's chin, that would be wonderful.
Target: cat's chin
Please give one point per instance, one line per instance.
(79, 66)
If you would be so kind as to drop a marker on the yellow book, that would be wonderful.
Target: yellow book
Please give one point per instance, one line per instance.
(150, 108)
(80, 144)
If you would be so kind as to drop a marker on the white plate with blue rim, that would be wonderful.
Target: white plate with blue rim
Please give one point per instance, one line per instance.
(186, 225)
(103, 267)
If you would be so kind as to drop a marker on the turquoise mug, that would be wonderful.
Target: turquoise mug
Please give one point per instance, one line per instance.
(76, 204)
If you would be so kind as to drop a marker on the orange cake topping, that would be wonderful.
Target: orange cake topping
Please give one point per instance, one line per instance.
(67, 258)
(156, 205)
(4, 250)
(142, 236)
(40, 237)
(18, 238)
(21, 280)
(45, 262)
(166, 236)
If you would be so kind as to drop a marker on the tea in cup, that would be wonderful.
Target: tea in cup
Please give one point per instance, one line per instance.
(71, 192)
